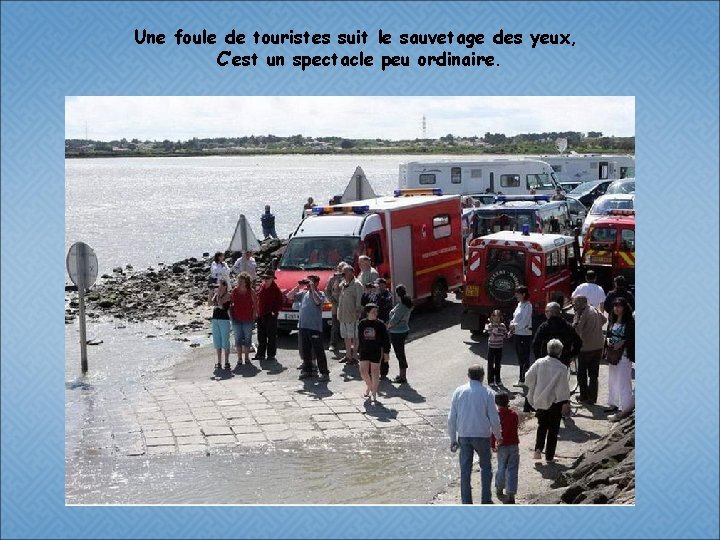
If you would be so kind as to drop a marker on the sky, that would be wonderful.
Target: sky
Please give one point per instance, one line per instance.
(355, 117)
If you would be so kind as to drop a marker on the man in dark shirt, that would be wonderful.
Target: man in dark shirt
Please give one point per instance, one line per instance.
(270, 300)
(556, 328)
(267, 220)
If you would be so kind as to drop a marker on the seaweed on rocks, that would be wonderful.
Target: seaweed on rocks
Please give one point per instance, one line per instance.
(163, 292)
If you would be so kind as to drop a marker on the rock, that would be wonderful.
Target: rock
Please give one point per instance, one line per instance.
(94, 342)
(107, 303)
(177, 269)
(193, 345)
(117, 270)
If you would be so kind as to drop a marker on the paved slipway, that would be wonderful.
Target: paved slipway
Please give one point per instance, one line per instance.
(187, 412)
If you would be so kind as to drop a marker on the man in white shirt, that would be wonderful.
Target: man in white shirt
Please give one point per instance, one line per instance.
(591, 290)
(473, 417)
(246, 263)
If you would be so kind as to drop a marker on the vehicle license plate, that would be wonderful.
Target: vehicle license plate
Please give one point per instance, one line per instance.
(290, 315)
(472, 290)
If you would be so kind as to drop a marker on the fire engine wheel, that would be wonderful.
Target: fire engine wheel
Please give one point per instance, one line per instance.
(438, 295)
(502, 282)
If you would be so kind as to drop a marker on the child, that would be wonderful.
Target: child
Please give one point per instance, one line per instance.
(508, 453)
(497, 332)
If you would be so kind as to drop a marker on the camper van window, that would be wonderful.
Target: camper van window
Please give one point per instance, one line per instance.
(627, 239)
(441, 226)
(475, 173)
(427, 178)
(552, 263)
(455, 175)
(539, 181)
(510, 180)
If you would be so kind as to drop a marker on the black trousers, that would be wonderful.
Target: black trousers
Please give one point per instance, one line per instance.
(588, 368)
(494, 359)
(398, 345)
(523, 344)
(548, 429)
(267, 336)
(312, 342)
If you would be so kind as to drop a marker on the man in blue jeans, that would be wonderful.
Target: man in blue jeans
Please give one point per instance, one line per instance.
(472, 419)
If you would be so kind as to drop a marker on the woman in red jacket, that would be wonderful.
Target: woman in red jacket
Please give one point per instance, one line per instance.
(244, 313)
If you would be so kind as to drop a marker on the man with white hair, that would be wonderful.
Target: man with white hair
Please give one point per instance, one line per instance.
(367, 273)
(555, 327)
(549, 394)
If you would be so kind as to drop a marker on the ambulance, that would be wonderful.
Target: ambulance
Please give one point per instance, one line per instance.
(609, 247)
(498, 263)
(413, 238)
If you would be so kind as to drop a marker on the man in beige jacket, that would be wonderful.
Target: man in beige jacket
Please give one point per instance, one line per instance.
(588, 323)
(549, 395)
(348, 313)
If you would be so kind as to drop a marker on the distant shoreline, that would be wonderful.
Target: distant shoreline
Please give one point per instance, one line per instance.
(462, 151)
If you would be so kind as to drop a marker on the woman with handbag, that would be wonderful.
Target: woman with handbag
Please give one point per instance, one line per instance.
(619, 353)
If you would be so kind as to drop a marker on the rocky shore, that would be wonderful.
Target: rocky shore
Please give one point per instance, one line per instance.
(603, 475)
(158, 293)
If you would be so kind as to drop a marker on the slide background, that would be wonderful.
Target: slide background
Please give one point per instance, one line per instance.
(665, 54)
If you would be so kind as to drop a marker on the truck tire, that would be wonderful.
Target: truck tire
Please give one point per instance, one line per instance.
(438, 295)
(502, 282)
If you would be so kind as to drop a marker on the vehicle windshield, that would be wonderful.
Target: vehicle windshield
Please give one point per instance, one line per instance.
(541, 181)
(488, 224)
(601, 236)
(602, 206)
(626, 186)
(318, 253)
(584, 188)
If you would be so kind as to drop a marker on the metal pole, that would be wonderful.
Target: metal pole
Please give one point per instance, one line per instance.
(243, 233)
(82, 278)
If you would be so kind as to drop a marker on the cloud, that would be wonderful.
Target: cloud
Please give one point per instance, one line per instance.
(394, 117)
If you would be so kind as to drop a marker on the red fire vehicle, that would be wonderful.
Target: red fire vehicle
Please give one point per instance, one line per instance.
(609, 247)
(548, 264)
(413, 238)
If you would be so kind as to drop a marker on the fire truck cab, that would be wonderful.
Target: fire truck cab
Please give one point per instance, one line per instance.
(548, 264)
(609, 247)
(413, 238)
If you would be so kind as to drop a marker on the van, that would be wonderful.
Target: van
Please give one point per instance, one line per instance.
(536, 212)
(508, 176)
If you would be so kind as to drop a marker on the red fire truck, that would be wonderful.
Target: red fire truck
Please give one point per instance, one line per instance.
(548, 264)
(609, 247)
(413, 238)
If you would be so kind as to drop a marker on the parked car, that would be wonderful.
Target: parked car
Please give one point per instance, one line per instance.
(626, 185)
(609, 248)
(587, 192)
(569, 186)
(578, 212)
(605, 204)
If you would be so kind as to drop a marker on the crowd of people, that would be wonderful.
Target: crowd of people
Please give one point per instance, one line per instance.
(366, 324)
(480, 420)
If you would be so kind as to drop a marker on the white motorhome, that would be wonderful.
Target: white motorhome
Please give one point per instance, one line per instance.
(590, 167)
(508, 176)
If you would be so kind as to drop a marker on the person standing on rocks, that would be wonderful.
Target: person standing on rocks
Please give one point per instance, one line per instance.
(521, 328)
(219, 270)
(349, 309)
(399, 328)
(220, 300)
(621, 337)
(549, 394)
(270, 301)
(244, 313)
(310, 326)
(309, 205)
(267, 221)
(246, 263)
(374, 349)
(588, 324)
(473, 418)
(332, 293)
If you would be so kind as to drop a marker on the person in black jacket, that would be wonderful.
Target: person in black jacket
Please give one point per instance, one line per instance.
(556, 328)
(620, 291)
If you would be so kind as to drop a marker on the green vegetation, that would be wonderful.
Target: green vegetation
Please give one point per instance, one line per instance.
(490, 143)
